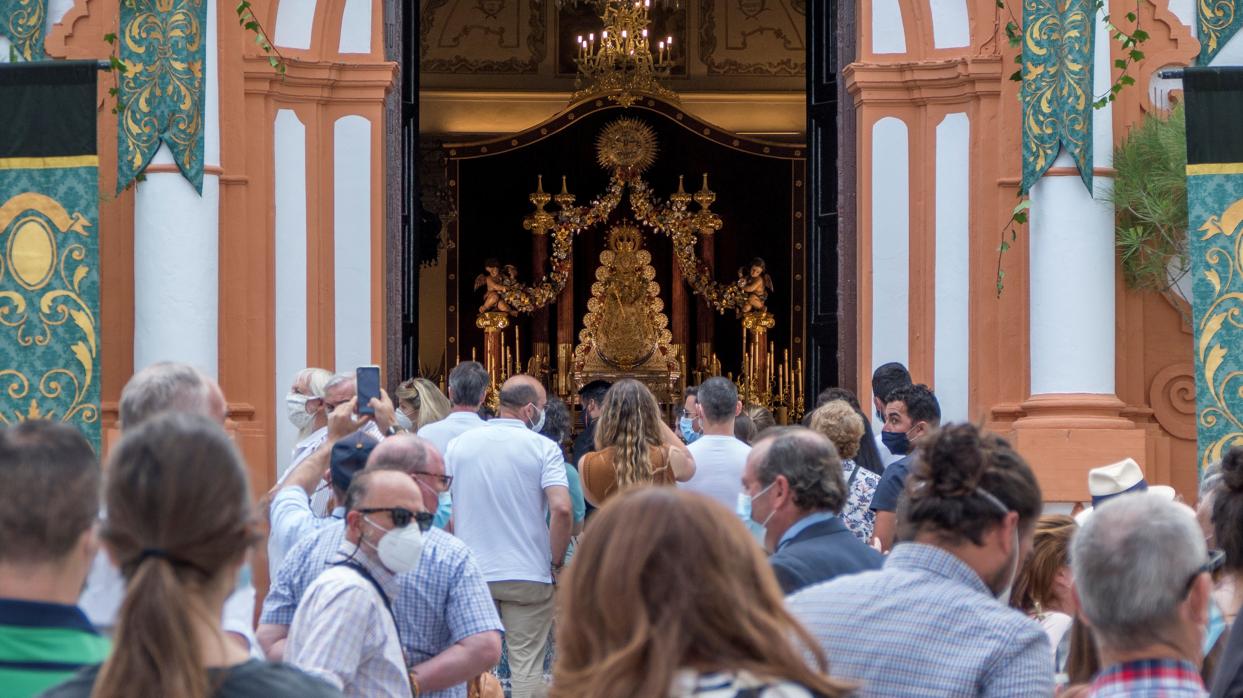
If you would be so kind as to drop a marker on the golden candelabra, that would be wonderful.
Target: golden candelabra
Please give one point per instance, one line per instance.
(620, 62)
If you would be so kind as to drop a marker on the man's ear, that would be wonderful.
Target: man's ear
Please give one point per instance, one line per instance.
(88, 543)
(738, 408)
(1195, 606)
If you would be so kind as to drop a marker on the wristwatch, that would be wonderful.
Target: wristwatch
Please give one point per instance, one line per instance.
(394, 430)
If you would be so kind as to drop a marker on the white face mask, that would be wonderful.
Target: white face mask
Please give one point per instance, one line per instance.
(403, 421)
(400, 548)
(539, 423)
(295, 404)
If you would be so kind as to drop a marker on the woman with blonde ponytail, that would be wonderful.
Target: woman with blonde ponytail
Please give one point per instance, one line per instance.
(179, 524)
(633, 446)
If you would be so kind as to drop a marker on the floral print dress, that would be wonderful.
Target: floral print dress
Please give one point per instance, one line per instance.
(860, 487)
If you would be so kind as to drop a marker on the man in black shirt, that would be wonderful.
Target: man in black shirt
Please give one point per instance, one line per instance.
(591, 398)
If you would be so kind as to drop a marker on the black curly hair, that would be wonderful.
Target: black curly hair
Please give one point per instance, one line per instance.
(958, 477)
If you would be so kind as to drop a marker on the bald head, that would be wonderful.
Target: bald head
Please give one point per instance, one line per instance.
(522, 390)
(170, 387)
(405, 452)
(416, 457)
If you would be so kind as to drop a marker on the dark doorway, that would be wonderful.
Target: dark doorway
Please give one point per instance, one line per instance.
(831, 277)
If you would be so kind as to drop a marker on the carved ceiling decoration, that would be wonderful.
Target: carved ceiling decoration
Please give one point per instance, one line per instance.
(752, 37)
(482, 36)
(471, 43)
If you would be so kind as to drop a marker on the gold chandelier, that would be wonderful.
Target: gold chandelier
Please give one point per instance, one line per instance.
(620, 63)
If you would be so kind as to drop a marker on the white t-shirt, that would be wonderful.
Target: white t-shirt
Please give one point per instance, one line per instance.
(499, 474)
(718, 468)
(443, 431)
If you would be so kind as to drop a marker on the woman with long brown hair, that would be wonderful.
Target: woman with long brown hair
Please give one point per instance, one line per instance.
(179, 523)
(633, 446)
(1044, 589)
(669, 596)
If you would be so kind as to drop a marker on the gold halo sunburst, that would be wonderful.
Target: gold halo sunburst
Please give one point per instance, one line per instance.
(627, 144)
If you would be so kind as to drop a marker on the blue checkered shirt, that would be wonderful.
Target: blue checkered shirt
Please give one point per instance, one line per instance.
(925, 625)
(440, 603)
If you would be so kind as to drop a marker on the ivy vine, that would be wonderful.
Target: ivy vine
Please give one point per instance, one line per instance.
(1129, 41)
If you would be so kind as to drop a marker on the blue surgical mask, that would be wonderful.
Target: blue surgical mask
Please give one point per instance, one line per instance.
(689, 435)
(896, 441)
(444, 509)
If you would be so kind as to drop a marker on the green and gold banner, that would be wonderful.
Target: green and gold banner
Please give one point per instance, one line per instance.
(1214, 98)
(161, 91)
(24, 22)
(1056, 97)
(49, 245)
(1217, 21)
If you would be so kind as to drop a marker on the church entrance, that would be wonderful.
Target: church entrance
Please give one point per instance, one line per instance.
(644, 285)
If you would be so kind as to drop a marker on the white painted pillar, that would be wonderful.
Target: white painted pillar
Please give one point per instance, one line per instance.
(952, 329)
(891, 244)
(290, 270)
(176, 247)
(1072, 264)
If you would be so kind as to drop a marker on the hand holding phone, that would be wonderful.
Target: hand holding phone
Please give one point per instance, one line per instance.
(368, 382)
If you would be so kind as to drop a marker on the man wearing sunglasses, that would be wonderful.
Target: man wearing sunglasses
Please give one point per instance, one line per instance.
(449, 627)
(344, 631)
(1142, 578)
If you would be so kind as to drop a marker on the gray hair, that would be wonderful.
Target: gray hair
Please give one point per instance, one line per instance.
(337, 381)
(164, 387)
(1209, 479)
(1131, 562)
(468, 381)
(719, 398)
(316, 380)
(809, 463)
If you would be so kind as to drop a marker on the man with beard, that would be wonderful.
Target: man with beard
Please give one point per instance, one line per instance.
(930, 621)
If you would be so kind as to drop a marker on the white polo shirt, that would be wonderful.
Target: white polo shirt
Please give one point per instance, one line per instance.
(718, 468)
(441, 432)
(500, 472)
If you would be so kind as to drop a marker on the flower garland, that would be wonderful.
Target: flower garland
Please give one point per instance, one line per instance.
(673, 219)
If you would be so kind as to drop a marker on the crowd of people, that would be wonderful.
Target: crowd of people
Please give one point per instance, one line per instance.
(436, 547)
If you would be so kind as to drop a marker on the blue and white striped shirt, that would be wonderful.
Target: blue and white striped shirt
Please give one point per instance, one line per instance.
(441, 602)
(925, 625)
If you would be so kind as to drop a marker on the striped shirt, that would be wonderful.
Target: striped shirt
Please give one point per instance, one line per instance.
(443, 601)
(344, 633)
(43, 644)
(925, 625)
(1149, 678)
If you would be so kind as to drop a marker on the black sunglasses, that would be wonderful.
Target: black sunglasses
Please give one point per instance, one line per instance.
(402, 516)
(1216, 558)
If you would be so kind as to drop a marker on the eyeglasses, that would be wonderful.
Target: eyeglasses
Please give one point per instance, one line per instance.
(1216, 559)
(402, 516)
(445, 480)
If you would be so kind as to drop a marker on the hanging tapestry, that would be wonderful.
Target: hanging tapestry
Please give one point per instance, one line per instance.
(1056, 95)
(49, 245)
(1214, 98)
(23, 22)
(1218, 20)
(161, 91)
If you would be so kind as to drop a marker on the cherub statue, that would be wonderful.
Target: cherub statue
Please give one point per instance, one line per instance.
(495, 283)
(757, 284)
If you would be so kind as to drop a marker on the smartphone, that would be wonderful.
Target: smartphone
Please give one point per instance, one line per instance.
(368, 379)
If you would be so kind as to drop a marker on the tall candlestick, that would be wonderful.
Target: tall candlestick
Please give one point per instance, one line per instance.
(517, 341)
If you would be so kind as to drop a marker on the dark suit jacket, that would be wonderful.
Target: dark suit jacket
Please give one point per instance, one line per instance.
(819, 553)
